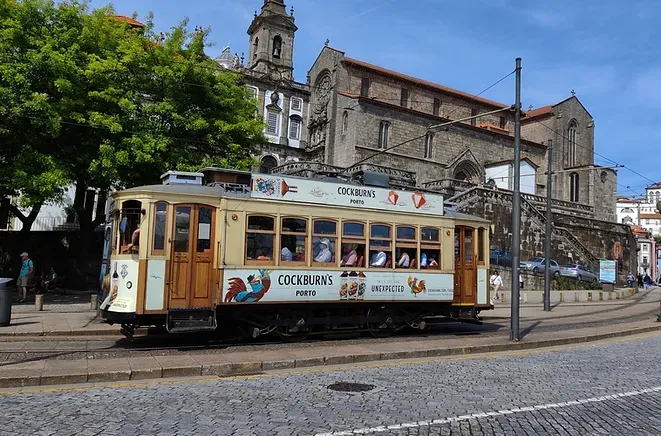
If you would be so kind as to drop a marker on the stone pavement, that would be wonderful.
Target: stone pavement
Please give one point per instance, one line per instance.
(39, 371)
(611, 388)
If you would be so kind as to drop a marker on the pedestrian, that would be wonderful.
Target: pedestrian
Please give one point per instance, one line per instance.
(630, 279)
(647, 280)
(640, 280)
(27, 271)
(520, 287)
(496, 283)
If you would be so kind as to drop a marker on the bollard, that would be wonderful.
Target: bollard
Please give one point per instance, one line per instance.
(38, 303)
(93, 302)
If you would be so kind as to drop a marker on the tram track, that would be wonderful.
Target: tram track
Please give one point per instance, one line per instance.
(162, 344)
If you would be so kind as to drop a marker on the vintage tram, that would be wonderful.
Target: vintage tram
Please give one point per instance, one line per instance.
(268, 254)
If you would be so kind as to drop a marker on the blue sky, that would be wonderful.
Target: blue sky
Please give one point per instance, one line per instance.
(605, 50)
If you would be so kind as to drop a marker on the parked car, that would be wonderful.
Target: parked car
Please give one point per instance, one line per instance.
(536, 265)
(578, 272)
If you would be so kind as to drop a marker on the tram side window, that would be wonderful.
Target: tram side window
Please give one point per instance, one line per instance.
(380, 246)
(430, 248)
(293, 238)
(129, 226)
(324, 242)
(259, 239)
(406, 247)
(353, 244)
(480, 246)
(160, 220)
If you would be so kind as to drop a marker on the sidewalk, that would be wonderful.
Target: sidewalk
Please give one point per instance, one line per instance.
(79, 320)
(228, 363)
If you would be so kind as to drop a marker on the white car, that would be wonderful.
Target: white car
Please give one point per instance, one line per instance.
(578, 272)
(536, 265)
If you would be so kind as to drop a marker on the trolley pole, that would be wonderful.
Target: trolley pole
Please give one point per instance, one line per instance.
(549, 233)
(516, 209)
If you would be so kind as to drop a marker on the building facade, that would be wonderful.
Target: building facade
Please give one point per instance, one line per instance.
(282, 102)
(643, 212)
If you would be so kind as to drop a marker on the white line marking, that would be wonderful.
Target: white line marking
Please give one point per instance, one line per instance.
(384, 428)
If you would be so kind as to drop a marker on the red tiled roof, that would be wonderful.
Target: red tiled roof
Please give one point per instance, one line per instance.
(445, 89)
(539, 112)
(128, 20)
(493, 127)
(651, 216)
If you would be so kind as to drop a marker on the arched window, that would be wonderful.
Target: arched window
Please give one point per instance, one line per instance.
(277, 47)
(429, 145)
(268, 163)
(573, 188)
(345, 122)
(571, 143)
(255, 47)
(384, 133)
(295, 123)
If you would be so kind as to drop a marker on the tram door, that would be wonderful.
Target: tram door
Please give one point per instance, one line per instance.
(465, 270)
(191, 260)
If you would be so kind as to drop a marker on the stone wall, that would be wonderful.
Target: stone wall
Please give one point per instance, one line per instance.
(574, 240)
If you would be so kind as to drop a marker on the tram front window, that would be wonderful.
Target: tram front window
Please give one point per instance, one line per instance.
(129, 226)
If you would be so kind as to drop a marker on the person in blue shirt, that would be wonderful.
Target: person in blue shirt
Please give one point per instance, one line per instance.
(27, 270)
(379, 260)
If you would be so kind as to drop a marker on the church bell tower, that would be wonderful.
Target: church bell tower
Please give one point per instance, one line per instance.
(272, 41)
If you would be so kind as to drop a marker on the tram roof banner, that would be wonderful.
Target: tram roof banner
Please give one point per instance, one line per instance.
(341, 194)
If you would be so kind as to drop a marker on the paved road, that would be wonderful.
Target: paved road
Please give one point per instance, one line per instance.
(612, 388)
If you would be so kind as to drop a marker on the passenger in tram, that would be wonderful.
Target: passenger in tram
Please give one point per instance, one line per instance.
(404, 260)
(325, 255)
(286, 255)
(263, 255)
(423, 260)
(351, 258)
(135, 240)
(433, 263)
(379, 260)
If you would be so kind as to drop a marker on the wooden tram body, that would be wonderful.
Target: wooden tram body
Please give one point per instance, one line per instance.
(264, 254)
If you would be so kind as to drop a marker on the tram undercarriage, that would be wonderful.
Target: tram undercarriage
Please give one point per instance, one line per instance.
(298, 322)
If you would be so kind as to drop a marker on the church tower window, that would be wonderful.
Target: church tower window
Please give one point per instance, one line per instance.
(573, 187)
(255, 47)
(437, 107)
(429, 145)
(277, 47)
(384, 132)
(404, 100)
(365, 87)
(571, 143)
(345, 122)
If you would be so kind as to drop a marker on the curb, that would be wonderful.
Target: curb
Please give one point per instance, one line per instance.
(172, 366)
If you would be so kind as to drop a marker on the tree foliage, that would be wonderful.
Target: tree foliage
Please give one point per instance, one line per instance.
(91, 100)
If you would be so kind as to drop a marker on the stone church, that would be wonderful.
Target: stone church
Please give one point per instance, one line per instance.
(350, 117)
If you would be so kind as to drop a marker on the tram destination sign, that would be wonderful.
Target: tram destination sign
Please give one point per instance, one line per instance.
(339, 194)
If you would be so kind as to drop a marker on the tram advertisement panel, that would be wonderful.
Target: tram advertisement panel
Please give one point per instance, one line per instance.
(361, 197)
(255, 285)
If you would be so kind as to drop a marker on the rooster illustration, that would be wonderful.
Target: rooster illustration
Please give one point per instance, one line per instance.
(259, 286)
(416, 287)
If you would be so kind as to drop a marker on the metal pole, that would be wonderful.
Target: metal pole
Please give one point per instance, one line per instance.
(549, 232)
(516, 208)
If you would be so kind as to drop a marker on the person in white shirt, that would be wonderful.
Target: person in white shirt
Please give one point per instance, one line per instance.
(286, 254)
(325, 255)
(496, 283)
(379, 260)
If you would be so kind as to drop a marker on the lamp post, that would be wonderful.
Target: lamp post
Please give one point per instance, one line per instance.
(516, 208)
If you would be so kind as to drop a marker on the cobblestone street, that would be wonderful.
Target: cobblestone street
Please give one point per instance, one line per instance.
(608, 388)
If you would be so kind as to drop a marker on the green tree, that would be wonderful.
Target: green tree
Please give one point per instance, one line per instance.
(658, 206)
(102, 103)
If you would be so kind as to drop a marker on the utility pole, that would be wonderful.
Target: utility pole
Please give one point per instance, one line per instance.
(549, 232)
(516, 209)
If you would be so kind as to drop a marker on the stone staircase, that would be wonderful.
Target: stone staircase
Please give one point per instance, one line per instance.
(466, 200)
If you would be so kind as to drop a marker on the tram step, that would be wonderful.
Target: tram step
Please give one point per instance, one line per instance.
(191, 320)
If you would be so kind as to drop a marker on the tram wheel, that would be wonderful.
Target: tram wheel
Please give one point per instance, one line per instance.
(384, 328)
